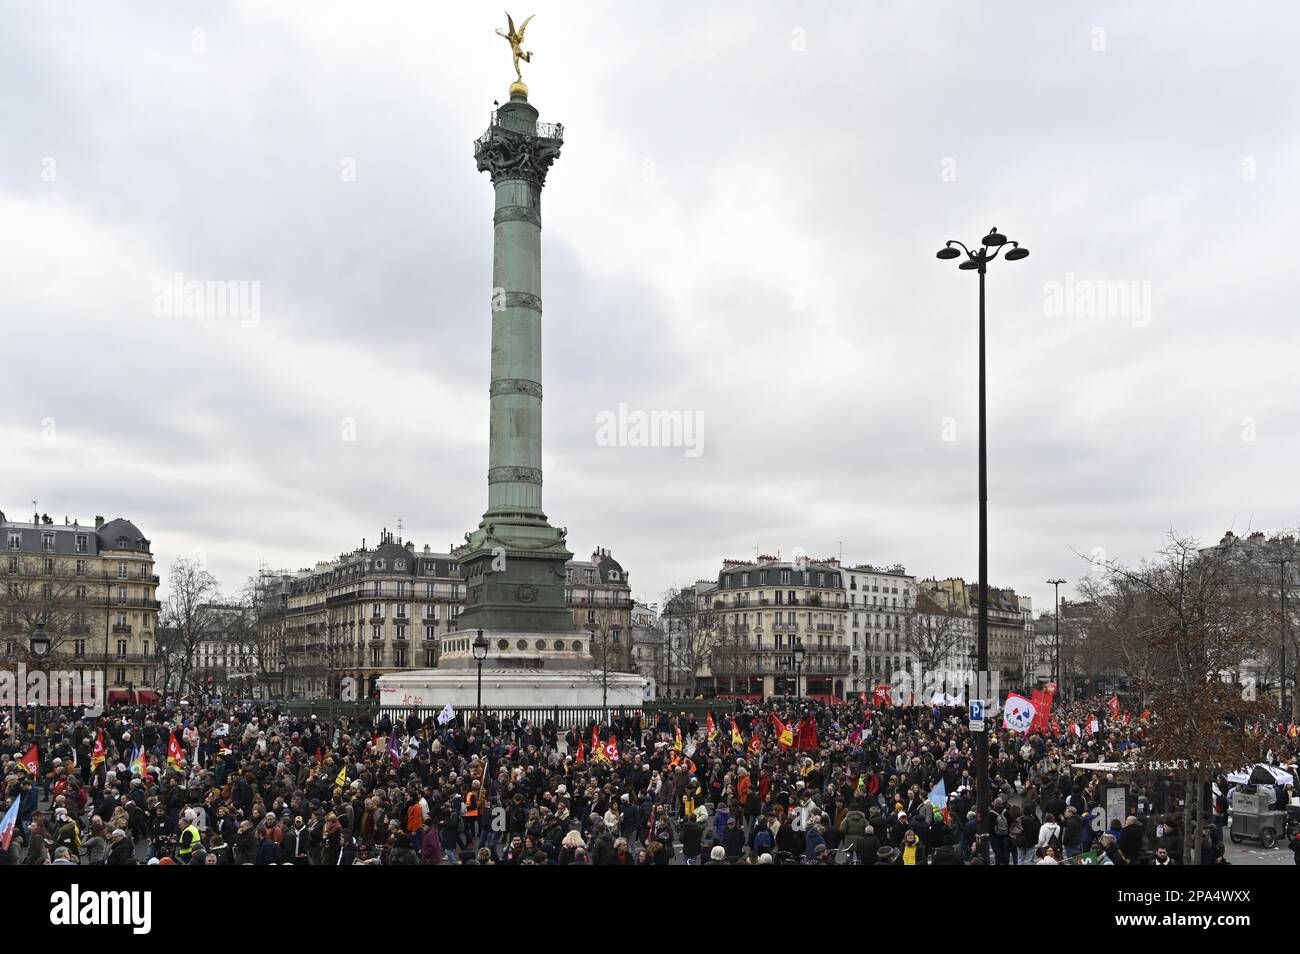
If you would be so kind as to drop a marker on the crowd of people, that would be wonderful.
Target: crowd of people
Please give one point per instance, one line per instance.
(749, 783)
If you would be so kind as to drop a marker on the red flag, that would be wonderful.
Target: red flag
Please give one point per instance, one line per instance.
(1114, 706)
(175, 754)
(880, 695)
(99, 753)
(863, 697)
(611, 748)
(1042, 700)
(784, 737)
(755, 743)
(1056, 726)
(713, 729)
(807, 734)
(581, 756)
(31, 762)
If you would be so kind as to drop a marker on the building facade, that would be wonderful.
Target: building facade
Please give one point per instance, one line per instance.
(599, 595)
(1010, 634)
(372, 611)
(649, 644)
(93, 589)
(761, 609)
(881, 603)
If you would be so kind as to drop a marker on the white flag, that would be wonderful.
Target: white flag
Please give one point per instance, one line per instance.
(447, 714)
(1018, 713)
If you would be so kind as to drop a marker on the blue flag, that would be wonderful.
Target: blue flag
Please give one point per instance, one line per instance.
(8, 825)
(939, 796)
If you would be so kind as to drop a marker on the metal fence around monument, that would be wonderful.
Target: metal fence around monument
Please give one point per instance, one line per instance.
(564, 717)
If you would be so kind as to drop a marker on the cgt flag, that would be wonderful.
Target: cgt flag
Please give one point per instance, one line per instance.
(99, 753)
(784, 737)
(175, 754)
(31, 762)
(736, 737)
(1114, 706)
(1017, 713)
(713, 729)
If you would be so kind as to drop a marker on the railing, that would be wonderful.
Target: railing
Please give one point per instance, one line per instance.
(120, 630)
(522, 128)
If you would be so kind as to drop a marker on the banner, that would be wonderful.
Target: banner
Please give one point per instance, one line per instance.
(1017, 713)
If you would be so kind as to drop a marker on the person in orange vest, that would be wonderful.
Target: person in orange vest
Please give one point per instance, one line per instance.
(472, 801)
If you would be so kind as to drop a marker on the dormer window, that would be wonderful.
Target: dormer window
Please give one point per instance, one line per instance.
(399, 565)
(613, 575)
(379, 564)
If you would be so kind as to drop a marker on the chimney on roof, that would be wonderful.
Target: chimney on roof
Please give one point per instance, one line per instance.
(410, 546)
(99, 521)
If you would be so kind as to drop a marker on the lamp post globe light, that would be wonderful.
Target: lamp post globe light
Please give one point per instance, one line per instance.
(988, 250)
(798, 663)
(480, 648)
(40, 641)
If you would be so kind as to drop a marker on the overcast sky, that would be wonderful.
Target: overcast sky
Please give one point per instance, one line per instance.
(742, 226)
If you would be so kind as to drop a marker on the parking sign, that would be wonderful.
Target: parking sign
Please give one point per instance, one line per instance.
(977, 715)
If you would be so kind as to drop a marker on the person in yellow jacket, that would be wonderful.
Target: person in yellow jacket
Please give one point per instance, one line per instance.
(191, 840)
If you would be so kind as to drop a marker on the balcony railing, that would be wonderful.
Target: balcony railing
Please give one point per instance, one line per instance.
(121, 630)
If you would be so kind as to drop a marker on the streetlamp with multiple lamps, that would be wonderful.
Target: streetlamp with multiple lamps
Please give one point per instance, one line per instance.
(798, 652)
(988, 250)
(480, 649)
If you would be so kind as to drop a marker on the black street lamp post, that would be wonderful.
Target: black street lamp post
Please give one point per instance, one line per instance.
(1056, 650)
(798, 652)
(604, 673)
(973, 658)
(480, 648)
(40, 647)
(988, 250)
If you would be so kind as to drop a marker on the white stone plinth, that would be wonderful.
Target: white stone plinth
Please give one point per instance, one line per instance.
(509, 689)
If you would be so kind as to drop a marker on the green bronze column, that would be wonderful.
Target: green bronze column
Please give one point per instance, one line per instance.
(514, 564)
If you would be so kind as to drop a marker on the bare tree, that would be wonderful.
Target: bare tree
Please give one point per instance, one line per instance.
(934, 636)
(1118, 638)
(1191, 609)
(731, 655)
(691, 632)
(264, 596)
(34, 596)
(187, 619)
